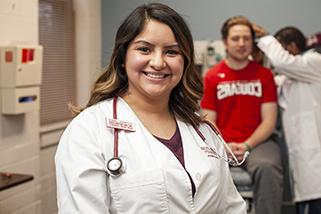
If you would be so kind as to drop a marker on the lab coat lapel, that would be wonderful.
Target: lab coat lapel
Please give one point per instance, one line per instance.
(156, 151)
(195, 158)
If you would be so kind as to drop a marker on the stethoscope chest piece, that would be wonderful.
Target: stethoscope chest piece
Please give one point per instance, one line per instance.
(115, 166)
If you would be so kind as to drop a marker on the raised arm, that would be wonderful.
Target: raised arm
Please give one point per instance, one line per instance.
(306, 67)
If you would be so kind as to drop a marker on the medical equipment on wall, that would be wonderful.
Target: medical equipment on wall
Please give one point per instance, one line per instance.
(208, 53)
(20, 78)
(115, 165)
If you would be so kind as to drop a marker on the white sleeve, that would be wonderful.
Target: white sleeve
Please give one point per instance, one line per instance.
(231, 200)
(306, 67)
(234, 203)
(80, 170)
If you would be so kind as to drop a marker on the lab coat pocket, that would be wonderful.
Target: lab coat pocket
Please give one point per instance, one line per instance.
(143, 192)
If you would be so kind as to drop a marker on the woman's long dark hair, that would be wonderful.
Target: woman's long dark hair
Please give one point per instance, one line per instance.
(113, 82)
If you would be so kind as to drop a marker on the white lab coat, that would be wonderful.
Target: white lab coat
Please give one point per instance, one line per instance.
(154, 181)
(301, 94)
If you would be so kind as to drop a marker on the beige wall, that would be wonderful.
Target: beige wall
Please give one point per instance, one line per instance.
(25, 147)
(88, 46)
(19, 135)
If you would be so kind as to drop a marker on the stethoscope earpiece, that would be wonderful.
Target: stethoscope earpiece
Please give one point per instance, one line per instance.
(235, 162)
(231, 161)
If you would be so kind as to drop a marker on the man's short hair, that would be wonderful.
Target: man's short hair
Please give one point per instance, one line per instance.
(236, 20)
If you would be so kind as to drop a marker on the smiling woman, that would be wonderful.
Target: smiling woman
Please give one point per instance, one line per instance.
(154, 65)
(141, 22)
(159, 165)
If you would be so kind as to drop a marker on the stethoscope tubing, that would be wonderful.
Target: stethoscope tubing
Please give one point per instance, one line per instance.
(233, 162)
(115, 129)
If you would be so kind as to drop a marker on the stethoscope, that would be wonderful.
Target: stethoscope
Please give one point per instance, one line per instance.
(116, 167)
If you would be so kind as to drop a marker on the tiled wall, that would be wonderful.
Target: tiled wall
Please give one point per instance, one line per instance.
(19, 134)
(25, 147)
(19, 22)
(88, 43)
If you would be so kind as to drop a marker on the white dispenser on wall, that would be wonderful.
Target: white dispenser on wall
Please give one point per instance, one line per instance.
(208, 53)
(20, 78)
